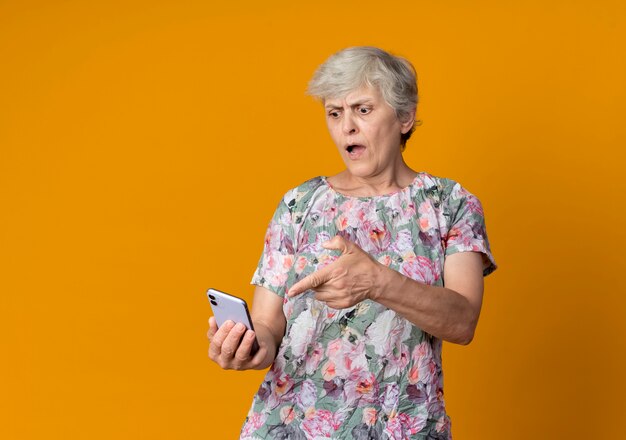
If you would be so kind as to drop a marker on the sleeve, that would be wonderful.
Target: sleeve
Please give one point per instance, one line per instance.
(466, 230)
(277, 259)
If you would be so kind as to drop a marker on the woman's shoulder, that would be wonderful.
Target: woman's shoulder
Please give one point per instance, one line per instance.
(303, 193)
(443, 191)
(431, 183)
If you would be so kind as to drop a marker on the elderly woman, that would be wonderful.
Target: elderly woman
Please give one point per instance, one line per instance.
(363, 275)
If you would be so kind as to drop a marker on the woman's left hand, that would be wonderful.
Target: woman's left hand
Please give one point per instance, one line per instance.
(352, 278)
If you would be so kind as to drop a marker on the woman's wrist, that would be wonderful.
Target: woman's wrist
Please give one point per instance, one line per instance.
(384, 277)
(266, 340)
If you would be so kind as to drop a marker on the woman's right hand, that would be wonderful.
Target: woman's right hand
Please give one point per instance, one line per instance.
(231, 346)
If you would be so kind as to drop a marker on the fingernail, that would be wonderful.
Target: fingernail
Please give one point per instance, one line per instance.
(250, 334)
(240, 326)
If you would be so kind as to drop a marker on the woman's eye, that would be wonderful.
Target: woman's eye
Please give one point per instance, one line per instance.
(364, 110)
(334, 114)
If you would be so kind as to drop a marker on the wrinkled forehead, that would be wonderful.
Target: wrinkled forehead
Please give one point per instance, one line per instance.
(364, 92)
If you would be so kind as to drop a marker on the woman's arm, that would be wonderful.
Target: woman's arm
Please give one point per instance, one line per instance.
(269, 325)
(449, 313)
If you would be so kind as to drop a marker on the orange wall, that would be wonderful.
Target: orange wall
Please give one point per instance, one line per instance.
(145, 145)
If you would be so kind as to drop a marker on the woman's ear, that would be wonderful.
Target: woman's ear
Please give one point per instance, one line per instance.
(407, 122)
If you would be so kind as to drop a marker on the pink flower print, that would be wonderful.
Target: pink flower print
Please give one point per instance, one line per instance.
(347, 358)
(333, 388)
(325, 259)
(369, 416)
(307, 395)
(385, 260)
(349, 235)
(403, 242)
(341, 222)
(287, 262)
(390, 398)
(314, 245)
(400, 210)
(287, 414)
(393, 429)
(401, 426)
(314, 357)
(303, 240)
(329, 213)
(421, 350)
(366, 386)
(284, 384)
(321, 423)
(417, 394)
(424, 368)
(270, 262)
(427, 216)
(412, 425)
(420, 269)
(387, 332)
(362, 387)
(358, 216)
(288, 307)
(380, 237)
(278, 279)
(459, 235)
(437, 406)
(413, 375)
(443, 424)
(334, 347)
(273, 237)
(473, 205)
(354, 359)
(253, 422)
(346, 206)
(397, 363)
(409, 212)
(329, 371)
(277, 267)
(301, 263)
(477, 248)
(374, 237)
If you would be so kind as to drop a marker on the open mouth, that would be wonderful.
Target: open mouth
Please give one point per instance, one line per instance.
(355, 150)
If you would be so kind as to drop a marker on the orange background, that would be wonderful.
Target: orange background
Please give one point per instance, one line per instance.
(145, 145)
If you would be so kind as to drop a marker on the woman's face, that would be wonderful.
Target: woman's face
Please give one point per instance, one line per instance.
(366, 131)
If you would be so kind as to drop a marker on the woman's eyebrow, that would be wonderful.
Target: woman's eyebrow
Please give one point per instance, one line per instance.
(360, 101)
(355, 103)
(332, 106)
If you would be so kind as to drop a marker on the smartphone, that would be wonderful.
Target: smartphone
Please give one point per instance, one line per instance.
(227, 307)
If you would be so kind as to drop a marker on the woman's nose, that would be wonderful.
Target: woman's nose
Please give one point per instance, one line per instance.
(349, 126)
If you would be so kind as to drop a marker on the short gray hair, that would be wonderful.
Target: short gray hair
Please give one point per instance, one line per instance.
(351, 68)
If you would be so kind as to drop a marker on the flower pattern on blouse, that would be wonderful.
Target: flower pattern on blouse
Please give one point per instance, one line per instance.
(363, 372)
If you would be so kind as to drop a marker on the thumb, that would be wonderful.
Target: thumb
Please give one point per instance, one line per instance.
(338, 243)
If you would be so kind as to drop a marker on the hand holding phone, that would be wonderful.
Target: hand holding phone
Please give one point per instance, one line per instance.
(232, 335)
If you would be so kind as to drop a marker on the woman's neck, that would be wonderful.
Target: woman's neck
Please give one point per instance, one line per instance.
(388, 181)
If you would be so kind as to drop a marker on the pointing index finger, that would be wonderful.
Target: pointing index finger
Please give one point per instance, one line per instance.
(310, 282)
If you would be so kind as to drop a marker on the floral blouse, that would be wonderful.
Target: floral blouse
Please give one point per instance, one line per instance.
(363, 372)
